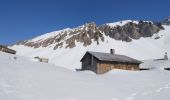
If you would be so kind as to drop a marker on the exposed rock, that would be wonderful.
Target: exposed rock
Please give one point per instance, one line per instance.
(85, 35)
(89, 33)
(166, 21)
(59, 45)
(131, 30)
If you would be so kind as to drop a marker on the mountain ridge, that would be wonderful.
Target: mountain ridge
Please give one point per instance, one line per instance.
(124, 30)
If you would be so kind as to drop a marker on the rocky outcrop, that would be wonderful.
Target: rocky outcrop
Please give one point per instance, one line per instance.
(90, 33)
(85, 35)
(166, 21)
(131, 30)
(46, 42)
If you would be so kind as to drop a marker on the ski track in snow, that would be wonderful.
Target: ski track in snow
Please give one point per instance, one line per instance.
(167, 86)
(134, 96)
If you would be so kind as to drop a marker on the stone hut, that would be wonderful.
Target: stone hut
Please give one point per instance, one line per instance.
(101, 63)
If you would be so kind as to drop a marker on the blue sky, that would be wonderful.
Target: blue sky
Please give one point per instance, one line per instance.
(25, 19)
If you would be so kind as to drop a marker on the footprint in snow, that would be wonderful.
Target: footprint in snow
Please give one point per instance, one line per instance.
(114, 99)
(167, 86)
(159, 90)
(5, 85)
(71, 99)
(131, 97)
(147, 93)
(134, 94)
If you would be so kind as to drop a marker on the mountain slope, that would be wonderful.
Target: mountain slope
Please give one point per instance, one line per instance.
(21, 79)
(137, 39)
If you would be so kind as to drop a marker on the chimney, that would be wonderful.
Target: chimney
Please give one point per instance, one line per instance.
(112, 51)
(166, 56)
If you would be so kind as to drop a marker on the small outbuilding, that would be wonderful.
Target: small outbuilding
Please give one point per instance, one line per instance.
(101, 63)
(7, 50)
(45, 60)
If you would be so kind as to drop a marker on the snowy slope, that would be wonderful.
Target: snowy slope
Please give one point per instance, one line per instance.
(22, 79)
(142, 49)
(156, 64)
(121, 23)
(48, 35)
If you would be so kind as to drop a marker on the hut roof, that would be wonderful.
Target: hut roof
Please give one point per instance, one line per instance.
(9, 50)
(113, 57)
(3, 46)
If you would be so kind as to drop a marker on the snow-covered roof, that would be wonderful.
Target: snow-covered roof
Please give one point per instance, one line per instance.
(113, 57)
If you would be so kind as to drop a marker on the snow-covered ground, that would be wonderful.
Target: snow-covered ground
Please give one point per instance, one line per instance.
(142, 49)
(155, 64)
(24, 79)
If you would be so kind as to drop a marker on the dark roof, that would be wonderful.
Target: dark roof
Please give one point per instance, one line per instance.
(113, 57)
(3, 46)
(9, 50)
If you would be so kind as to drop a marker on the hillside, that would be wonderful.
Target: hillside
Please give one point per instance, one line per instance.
(22, 79)
(138, 39)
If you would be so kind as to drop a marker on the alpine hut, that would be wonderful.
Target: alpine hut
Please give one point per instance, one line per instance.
(101, 63)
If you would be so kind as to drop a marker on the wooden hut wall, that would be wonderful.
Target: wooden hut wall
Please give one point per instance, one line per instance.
(89, 62)
(104, 67)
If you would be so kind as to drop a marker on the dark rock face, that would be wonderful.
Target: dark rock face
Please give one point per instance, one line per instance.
(166, 21)
(131, 30)
(59, 45)
(56, 39)
(89, 33)
(85, 35)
